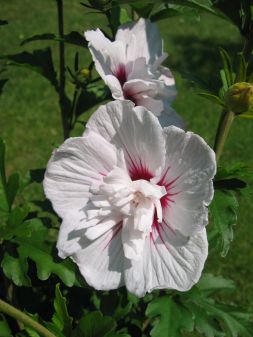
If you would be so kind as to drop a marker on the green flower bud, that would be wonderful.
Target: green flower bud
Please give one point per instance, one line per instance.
(239, 97)
(84, 73)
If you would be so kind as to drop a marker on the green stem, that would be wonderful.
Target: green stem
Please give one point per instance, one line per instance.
(62, 96)
(22, 317)
(225, 123)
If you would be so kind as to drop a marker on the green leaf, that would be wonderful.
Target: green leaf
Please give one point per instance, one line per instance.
(12, 187)
(16, 270)
(165, 14)
(4, 205)
(14, 224)
(94, 324)
(73, 38)
(173, 317)
(33, 244)
(39, 60)
(4, 328)
(213, 98)
(209, 284)
(194, 4)
(61, 316)
(228, 80)
(224, 216)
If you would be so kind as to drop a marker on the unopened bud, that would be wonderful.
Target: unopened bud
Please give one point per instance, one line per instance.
(85, 73)
(239, 97)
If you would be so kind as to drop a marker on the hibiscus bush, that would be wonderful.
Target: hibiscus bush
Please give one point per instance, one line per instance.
(116, 244)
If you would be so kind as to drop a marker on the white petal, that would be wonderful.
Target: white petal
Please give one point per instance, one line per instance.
(134, 130)
(143, 39)
(70, 234)
(165, 75)
(103, 226)
(77, 164)
(107, 55)
(133, 240)
(101, 261)
(166, 266)
(188, 178)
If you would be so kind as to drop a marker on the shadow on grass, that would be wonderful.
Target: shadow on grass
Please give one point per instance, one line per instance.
(199, 60)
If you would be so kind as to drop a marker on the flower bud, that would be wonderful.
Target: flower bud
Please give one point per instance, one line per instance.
(239, 97)
(84, 73)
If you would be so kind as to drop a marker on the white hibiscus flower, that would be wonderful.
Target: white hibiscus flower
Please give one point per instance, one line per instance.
(133, 198)
(131, 68)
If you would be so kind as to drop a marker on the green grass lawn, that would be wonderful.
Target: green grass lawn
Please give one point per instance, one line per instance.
(30, 118)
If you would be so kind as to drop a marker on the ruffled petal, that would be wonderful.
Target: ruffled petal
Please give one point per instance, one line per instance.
(189, 170)
(101, 261)
(74, 167)
(107, 55)
(134, 130)
(164, 265)
(143, 39)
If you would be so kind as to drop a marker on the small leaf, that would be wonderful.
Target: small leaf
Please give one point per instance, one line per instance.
(224, 216)
(94, 324)
(61, 316)
(213, 98)
(227, 67)
(167, 310)
(12, 187)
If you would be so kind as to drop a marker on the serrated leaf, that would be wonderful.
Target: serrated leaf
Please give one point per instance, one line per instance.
(94, 324)
(35, 246)
(61, 316)
(167, 326)
(224, 216)
(39, 60)
(73, 37)
(14, 223)
(16, 270)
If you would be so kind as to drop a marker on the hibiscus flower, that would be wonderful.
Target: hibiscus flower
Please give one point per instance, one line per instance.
(133, 198)
(131, 67)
